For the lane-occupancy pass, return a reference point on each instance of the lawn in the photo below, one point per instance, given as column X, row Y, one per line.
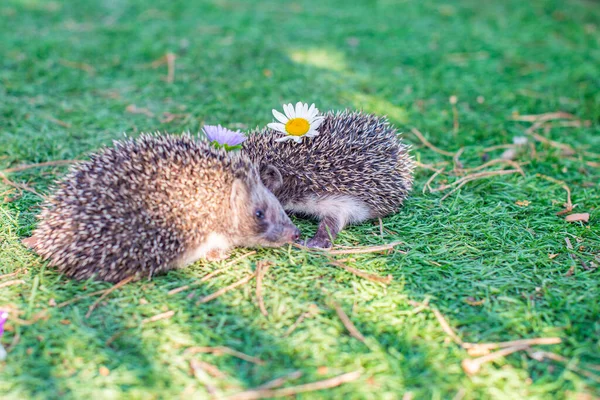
column 492, row 259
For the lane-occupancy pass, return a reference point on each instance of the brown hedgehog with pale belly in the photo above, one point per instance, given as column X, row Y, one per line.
column 357, row 168
column 154, row 203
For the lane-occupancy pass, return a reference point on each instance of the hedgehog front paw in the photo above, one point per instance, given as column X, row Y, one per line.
column 216, row 255
column 318, row 243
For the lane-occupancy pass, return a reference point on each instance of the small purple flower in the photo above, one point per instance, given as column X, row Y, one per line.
column 3, row 318
column 223, row 136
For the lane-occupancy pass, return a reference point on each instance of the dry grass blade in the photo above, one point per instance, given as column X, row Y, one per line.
column 210, row 369
column 589, row 154
column 543, row 117
column 431, row 167
column 298, row 321
column 212, row 274
column 495, row 161
column 106, row 293
column 14, row 342
column 42, row 315
column 593, row 164
column 219, row 350
column 568, row 124
column 367, row 249
column 201, row 375
column 75, row 299
column 458, row 166
column 294, row 390
column 261, row 269
column 20, row 186
column 473, row 177
column 455, row 122
column 478, row 175
column 169, row 59
column 499, row 147
column 78, row 65
column 419, row 135
column 567, row 150
column 453, row 191
column 478, row 349
column 170, row 67
column 114, row 337
column 12, row 283
column 179, row 289
column 431, row 179
column 473, row 365
column 14, row 273
column 40, row 165
column 158, row 317
column 226, row 289
column 371, row 277
column 354, row 332
column 456, row 185
column 568, row 205
column 541, row 355
column 446, row 327
column 278, row 382
column 569, row 244
column 133, row 109
column 558, row 357
column 57, row 121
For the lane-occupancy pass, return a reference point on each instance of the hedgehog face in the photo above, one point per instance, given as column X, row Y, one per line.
column 259, row 218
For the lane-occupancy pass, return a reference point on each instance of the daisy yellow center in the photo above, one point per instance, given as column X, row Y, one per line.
column 297, row 127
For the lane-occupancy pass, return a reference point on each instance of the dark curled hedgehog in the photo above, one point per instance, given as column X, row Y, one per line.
column 155, row 203
column 355, row 169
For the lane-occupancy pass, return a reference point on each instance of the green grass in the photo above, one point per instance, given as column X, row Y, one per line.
column 235, row 61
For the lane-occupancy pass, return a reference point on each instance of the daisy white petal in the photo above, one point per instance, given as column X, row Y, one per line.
column 299, row 107
column 317, row 123
column 284, row 139
column 312, row 111
column 289, row 111
column 297, row 139
column 277, row 127
column 280, row 117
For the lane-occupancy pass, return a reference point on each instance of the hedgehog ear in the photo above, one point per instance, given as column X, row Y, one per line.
column 271, row 177
column 238, row 198
column 239, row 193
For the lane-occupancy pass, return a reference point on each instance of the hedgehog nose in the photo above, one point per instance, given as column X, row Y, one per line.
column 295, row 234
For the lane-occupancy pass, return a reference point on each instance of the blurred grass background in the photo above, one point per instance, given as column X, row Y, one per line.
column 76, row 75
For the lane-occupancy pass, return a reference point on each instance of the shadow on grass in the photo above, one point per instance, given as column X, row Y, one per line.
column 69, row 356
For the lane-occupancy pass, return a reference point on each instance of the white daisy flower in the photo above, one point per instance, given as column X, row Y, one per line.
column 297, row 123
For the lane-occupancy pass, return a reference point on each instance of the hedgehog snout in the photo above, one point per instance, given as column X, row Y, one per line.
column 290, row 234
column 295, row 234
column 284, row 233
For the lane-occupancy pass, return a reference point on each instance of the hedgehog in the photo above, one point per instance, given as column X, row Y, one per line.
column 156, row 203
column 356, row 169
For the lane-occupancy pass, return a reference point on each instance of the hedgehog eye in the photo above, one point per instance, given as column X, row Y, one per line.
column 259, row 214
